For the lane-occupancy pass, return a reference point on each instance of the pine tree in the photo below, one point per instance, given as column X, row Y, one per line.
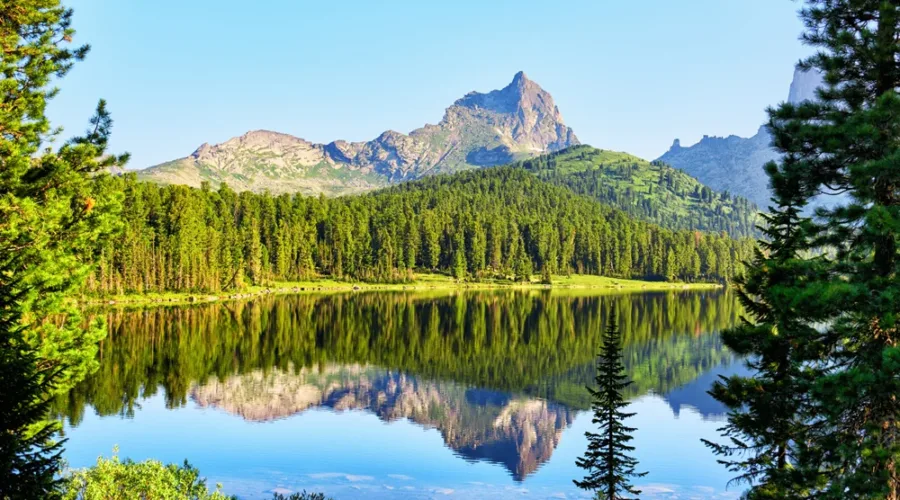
column 671, row 266
column 607, row 461
column 546, row 277
column 29, row 460
column 459, row 258
column 846, row 142
column 827, row 424
column 769, row 415
column 51, row 223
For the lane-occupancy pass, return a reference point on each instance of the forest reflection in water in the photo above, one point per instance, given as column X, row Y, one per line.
column 499, row 374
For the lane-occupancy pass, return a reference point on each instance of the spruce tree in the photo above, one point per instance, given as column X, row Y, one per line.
column 846, row 141
column 671, row 268
column 459, row 258
column 546, row 277
column 29, row 459
column 51, row 222
column 607, row 460
column 769, row 415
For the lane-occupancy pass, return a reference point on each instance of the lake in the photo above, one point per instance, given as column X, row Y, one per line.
column 406, row 394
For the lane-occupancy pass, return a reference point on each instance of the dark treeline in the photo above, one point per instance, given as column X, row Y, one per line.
column 652, row 191
column 489, row 223
column 539, row 343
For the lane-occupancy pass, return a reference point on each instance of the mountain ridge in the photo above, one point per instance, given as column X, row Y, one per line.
column 735, row 164
column 480, row 129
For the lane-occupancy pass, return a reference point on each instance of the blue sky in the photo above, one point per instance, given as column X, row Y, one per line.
column 627, row 75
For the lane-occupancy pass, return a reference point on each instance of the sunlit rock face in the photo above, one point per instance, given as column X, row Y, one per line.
column 478, row 130
column 519, row 433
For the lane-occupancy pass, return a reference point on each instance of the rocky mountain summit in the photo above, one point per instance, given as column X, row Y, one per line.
column 735, row 164
column 478, row 130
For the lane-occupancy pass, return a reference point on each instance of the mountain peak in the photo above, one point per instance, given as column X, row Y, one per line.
column 520, row 78
column 520, row 87
column 804, row 85
column 481, row 129
column 734, row 164
column 521, row 93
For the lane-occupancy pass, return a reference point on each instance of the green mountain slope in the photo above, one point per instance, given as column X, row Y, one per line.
column 652, row 191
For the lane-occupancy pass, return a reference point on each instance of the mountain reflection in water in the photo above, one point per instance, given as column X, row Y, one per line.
column 519, row 433
column 500, row 375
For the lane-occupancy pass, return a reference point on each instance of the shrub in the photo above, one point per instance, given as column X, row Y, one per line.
column 113, row 479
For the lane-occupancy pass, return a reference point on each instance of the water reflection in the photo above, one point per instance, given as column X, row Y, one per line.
column 500, row 375
column 519, row 433
column 694, row 394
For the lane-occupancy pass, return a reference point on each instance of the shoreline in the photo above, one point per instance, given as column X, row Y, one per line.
column 427, row 282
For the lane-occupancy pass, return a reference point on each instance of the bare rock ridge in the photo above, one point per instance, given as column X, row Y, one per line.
column 478, row 130
column 536, row 123
column 735, row 163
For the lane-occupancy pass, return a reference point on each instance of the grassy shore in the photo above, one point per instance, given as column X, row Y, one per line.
column 423, row 281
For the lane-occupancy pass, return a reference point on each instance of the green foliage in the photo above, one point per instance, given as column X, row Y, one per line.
column 28, row 459
column 769, row 419
column 113, row 479
column 652, row 191
column 494, row 223
column 50, row 219
column 607, row 460
column 50, row 223
column 846, row 141
column 546, row 277
column 832, row 430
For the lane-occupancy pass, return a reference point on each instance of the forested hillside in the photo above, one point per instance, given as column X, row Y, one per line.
column 652, row 191
column 500, row 222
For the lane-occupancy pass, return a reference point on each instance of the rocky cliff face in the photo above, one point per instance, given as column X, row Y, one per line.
column 733, row 163
column 519, row 433
column 804, row 85
column 478, row 130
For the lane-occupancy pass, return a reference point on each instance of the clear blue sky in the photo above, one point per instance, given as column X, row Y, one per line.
column 627, row 75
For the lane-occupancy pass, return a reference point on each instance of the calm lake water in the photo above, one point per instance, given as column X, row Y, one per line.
column 406, row 395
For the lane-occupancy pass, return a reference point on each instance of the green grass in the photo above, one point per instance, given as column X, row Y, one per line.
column 423, row 282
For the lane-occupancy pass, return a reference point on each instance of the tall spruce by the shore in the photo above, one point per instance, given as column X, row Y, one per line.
column 608, row 462
column 768, row 416
column 50, row 223
column 842, row 306
column 849, row 141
